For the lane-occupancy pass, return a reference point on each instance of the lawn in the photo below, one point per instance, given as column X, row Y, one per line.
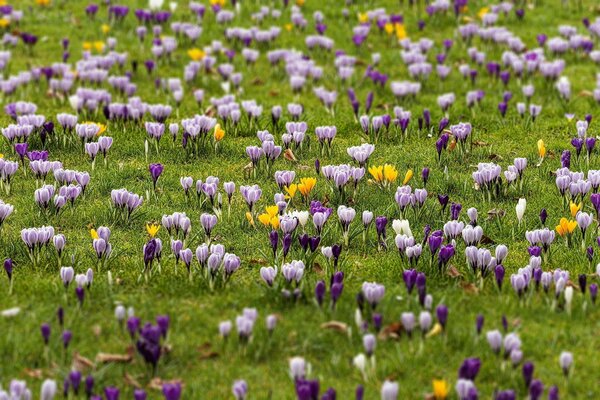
column 376, row 44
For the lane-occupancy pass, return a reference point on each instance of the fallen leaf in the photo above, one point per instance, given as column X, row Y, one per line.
column 391, row 331
column 468, row 287
column 336, row 326
column 80, row 362
column 495, row 157
column 495, row 213
column 453, row 272
column 257, row 81
column 317, row 268
column 157, row 383
column 486, row 240
column 33, row 373
column 206, row 351
column 131, row 381
column 480, row 143
column 117, row 358
column 288, row 154
column 273, row 93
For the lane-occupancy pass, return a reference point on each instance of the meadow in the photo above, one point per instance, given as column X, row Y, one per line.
column 454, row 258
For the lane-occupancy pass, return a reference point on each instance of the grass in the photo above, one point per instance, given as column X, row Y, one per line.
column 198, row 356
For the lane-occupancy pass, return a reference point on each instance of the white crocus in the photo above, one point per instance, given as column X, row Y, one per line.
column 402, row 226
column 360, row 362
column 568, row 298
column 155, row 4
column 521, row 206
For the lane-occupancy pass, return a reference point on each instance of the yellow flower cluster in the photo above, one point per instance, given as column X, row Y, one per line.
column 306, row 186
column 98, row 45
column 566, row 227
column 270, row 217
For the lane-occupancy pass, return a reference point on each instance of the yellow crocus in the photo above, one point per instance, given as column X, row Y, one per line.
column 87, row 46
column 152, row 228
column 408, row 176
column 389, row 28
column 306, row 185
column 249, row 218
column 390, row 173
column 105, row 28
column 4, row 22
column 288, row 27
column 217, row 2
column 196, row 54
column 482, row 11
column 377, row 173
column 42, row 3
column 400, row 31
column 275, row 222
column 219, row 133
column 264, row 219
column 300, row 3
column 436, row 330
column 541, row 148
column 291, row 190
column 94, row 234
column 363, row 18
column 440, row 389
column 99, row 45
column 272, row 211
column 574, row 208
column 566, row 227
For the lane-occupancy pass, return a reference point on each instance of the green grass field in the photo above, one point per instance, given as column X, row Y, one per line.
column 194, row 353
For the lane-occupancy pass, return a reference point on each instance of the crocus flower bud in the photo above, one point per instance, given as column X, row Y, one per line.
column 565, row 360
column 45, row 330
column 582, row 282
column 8, row 267
column 48, row 390
column 89, row 385
column 593, row 292
column 66, row 338
column 442, row 314
column 479, row 323
column 527, row 373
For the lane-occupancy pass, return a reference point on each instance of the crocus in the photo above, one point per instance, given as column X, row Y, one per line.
column 155, row 171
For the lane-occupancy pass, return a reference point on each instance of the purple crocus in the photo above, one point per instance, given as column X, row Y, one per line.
column 155, row 171
column 172, row 391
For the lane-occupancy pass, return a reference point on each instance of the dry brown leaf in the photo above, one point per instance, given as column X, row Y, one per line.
column 495, row 157
column 486, row 240
column 453, row 272
column 81, row 363
column 496, row 212
column 468, row 287
column 157, row 383
column 480, row 143
column 33, row 373
column 391, row 331
column 131, row 381
column 206, row 351
column 257, row 81
column 117, row 358
column 273, row 93
column 317, row 268
column 210, row 111
column 288, row 154
column 336, row 326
